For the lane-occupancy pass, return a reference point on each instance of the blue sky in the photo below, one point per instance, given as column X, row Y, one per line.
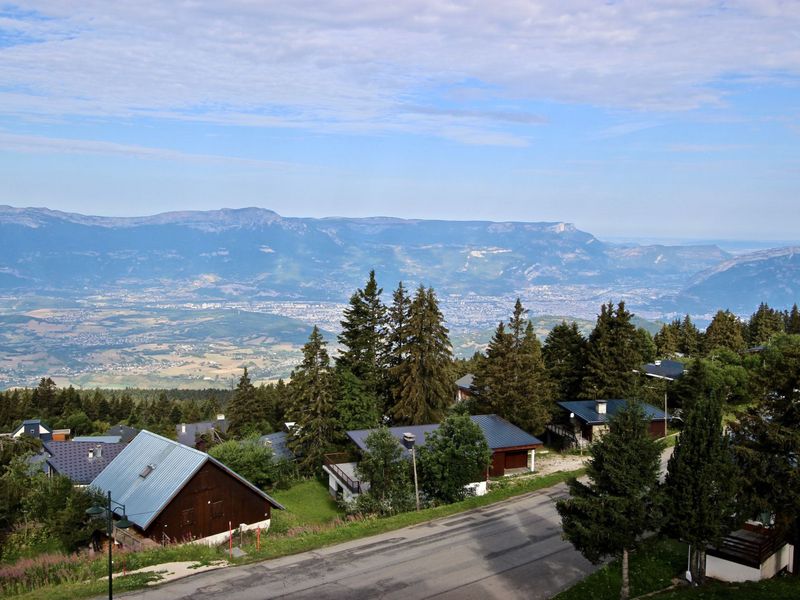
column 661, row 119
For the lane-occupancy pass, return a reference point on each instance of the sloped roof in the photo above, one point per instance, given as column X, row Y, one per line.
column 586, row 410
column 72, row 459
column 173, row 465
column 188, row 432
column 499, row 433
column 465, row 381
column 98, row 439
column 667, row 369
column 125, row 432
column 277, row 441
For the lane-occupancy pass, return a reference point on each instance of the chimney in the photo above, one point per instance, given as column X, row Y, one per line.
column 220, row 417
column 183, row 427
column 91, row 453
column 600, row 406
column 98, row 451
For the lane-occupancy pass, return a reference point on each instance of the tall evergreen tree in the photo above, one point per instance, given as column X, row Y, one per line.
column 363, row 334
column 356, row 406
column 564, row 355
column 243, row 412
column 793, row 321
column 311, row 391
column 425, row 385
column 667, row 340
column 767, row 441
column 690, row 338
column 724, row 331
column 512, row 380
column 763, row 324
column 702, row 479
column 395, row 348
column 608, row 516
column 613, row 354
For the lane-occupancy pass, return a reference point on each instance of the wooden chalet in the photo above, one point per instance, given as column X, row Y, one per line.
column 581, row 422
column 173, row 493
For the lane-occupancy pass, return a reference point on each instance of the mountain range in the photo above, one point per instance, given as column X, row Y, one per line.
column 256, row 253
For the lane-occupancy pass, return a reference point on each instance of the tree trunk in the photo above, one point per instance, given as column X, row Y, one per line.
column 625, row 590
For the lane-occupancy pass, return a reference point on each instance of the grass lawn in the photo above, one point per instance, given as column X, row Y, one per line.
column 651, row 568
column 307, row 503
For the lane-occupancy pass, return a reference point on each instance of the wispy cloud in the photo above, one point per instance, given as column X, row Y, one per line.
column 349, row 64
column 705, row 148
column 53, row 145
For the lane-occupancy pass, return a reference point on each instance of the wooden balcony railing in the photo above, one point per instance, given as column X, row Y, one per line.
column 332, row 461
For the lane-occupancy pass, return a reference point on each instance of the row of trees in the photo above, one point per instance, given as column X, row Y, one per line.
column 726, row 331
column 715, row 480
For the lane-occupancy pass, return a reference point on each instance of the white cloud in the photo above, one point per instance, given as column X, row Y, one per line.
column 358, row 66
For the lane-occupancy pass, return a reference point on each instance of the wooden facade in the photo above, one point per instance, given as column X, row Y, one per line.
column 205, row 505
column 509, row 458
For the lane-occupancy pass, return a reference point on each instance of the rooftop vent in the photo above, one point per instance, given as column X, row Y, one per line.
column 146, row 471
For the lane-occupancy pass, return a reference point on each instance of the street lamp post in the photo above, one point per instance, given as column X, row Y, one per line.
column 123, row 523
column 408, row 442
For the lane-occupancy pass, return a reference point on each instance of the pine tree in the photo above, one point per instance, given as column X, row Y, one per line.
column 565, row 355
column 702, row 479
column 356, row 406
column 724, row 331
column 362, row 337
column 243, row 411
column 613, row 354
column 766, row 442
column 793, row 321
column 690, row 338
column 311, row 391
column 764, row 323
column 512, row 381
column 667, row 340
column 425, row 385
column 395, row 348
column 608, row 515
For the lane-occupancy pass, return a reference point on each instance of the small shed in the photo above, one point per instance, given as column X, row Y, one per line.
column 174, row 493
column 749, row 554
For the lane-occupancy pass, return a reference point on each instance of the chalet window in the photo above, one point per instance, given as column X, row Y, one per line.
column 217, row 509
column 188, row 516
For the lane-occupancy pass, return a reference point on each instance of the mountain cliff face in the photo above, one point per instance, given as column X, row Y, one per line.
column 255, row 252
column 741, row 283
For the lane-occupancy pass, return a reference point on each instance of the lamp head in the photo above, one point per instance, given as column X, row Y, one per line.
column 95, row 511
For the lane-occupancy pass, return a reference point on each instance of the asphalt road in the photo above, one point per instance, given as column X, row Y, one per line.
column 508, row 550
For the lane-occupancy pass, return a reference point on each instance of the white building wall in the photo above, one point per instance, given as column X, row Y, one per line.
column 218, row 538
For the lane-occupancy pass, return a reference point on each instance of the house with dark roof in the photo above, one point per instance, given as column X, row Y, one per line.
column 80, row 461
column 665, row 369
column 513, row 451
column 125, row 433
column 584, row 421
column 34, row 428
column 464, row 387
column 174, row 493
column 189, row 432
column 278, row 443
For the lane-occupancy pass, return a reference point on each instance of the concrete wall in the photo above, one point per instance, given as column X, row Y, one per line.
column 726, row 570
column 216, row 539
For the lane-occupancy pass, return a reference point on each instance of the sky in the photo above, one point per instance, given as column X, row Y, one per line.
column 675, row 119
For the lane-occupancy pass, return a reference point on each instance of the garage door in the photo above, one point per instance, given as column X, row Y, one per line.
column 516, row 459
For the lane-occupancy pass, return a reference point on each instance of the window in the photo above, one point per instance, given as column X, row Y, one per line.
column 188, row 516
column 217, row 509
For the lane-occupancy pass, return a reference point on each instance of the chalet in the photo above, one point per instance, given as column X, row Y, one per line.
column 36, row 429
column 584, row 421
column 173, row 493
column 665, row 369
column 464, row 387
column 513, row 451
column 80, row 461
column 752, row 553
column 125, row 433
column 189, row 432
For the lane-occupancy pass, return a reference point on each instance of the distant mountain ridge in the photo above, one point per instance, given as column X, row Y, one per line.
column 254, row 252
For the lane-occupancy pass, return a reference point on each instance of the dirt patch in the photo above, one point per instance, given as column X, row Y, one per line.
column 552, row 462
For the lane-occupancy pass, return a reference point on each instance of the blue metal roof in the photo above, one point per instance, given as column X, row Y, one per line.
column 499, row 433
column 586, row 410
column 666, row 369
column 465, row 382
column 173, row 465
